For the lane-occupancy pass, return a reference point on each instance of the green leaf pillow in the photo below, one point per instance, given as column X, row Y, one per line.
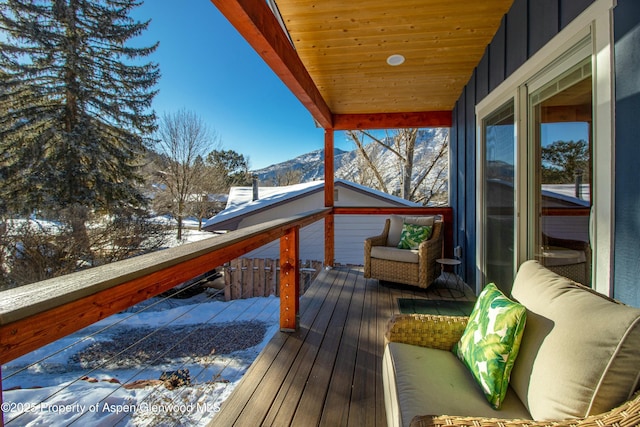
column 413, row 234
column 490, row 343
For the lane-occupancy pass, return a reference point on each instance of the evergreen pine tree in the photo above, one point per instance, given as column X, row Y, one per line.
column 74, row 107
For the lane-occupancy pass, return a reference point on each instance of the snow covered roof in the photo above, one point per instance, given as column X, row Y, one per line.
column 240, row 202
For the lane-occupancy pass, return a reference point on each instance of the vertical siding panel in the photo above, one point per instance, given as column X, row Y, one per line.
column 460, row 211
column 570, row 9
column 626, row 251
column 497, row 56
column 482, row 77
column 470, row 175
column 543, row 23
column 516, row 36
column 454, row 200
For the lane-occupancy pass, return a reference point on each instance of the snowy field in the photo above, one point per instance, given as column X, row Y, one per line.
column 101, row 375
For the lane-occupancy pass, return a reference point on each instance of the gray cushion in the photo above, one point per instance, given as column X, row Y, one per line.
column 395, row 254
column 580, row 353
column 395, row 228
column 424, row 381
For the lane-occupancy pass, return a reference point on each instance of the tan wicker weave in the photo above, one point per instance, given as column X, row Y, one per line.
column 579, row 272
column 426, row 330
column 442, row 332
column 421, row 274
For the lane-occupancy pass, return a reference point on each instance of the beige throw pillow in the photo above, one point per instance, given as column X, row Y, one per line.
column 580, row 353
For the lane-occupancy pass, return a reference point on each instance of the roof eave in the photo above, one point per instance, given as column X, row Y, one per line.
column 255, row 21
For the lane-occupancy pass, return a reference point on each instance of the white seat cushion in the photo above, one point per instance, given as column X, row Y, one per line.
column 425, row 381
column 395, row 254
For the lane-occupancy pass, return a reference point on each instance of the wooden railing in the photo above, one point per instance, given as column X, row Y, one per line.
column 37, row 314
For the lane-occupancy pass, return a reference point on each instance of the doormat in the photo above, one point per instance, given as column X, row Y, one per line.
column 430, row 306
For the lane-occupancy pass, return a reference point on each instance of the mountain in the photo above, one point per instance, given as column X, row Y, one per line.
column 310, row 166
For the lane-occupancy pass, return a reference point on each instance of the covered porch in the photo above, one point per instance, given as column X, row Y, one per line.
column 325, row 370
column 328, row 372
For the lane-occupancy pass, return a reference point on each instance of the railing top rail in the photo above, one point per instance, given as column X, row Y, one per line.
column 25, row 301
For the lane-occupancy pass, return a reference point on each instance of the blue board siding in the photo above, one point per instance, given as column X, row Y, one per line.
column 516, row 38
column 544, row 19
column 527, row 27
column 570, row 9
column 497, row 52
column 626, row 250
column 470, row 178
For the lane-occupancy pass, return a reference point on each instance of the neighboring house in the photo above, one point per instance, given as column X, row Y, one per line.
column 278, row 202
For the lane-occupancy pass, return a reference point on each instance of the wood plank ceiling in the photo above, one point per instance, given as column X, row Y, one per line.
column 338, row 67
column 344, row 46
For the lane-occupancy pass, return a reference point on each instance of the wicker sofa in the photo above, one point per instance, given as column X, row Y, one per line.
column 578, row 364
column 384, row 261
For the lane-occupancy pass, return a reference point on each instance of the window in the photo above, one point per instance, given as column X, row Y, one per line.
column 548, row 130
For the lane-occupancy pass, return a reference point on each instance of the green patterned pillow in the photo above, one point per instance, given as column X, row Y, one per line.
column 491, row 340
column 413, row 234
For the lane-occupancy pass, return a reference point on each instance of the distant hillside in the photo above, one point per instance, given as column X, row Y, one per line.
column 310, row 165
column 347, row 164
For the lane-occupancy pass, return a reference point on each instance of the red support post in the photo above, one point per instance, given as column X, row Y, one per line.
column 329, row 241
column 329, row 197
column 328, row 168
column 289, row 280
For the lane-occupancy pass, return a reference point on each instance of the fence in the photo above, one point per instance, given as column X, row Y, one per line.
column 259, row 277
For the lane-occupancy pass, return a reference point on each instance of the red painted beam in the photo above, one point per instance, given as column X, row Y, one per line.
column 392, row 120
column 256, row 23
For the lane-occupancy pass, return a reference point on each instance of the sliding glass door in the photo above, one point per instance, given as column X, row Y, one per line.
column 561, row 147
column 498, row 205
column 545, row 163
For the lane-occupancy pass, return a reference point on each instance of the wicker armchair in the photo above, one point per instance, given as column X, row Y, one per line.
column 421, row 273
column 442, row 332
column 577, row 271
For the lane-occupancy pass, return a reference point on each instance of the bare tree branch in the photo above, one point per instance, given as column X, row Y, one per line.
column 361, row 150
column 401, row 144
column 184, row 138
column 442, row 152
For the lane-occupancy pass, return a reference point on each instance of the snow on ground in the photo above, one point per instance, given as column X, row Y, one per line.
column 51, row 392
column 50, row 386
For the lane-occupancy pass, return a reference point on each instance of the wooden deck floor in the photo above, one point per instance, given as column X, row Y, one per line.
column 328, row 373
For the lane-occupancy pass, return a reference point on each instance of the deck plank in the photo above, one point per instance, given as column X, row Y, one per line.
column 328, row 373
column 335, row 411
column 287, row 400
column 315, row 391
column 386, row 308
column 254, row 400
column 362, row 405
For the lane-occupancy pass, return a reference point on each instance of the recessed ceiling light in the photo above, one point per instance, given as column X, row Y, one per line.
column 395, row 60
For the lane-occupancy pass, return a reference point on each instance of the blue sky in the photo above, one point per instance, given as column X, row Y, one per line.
column 208, row 68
